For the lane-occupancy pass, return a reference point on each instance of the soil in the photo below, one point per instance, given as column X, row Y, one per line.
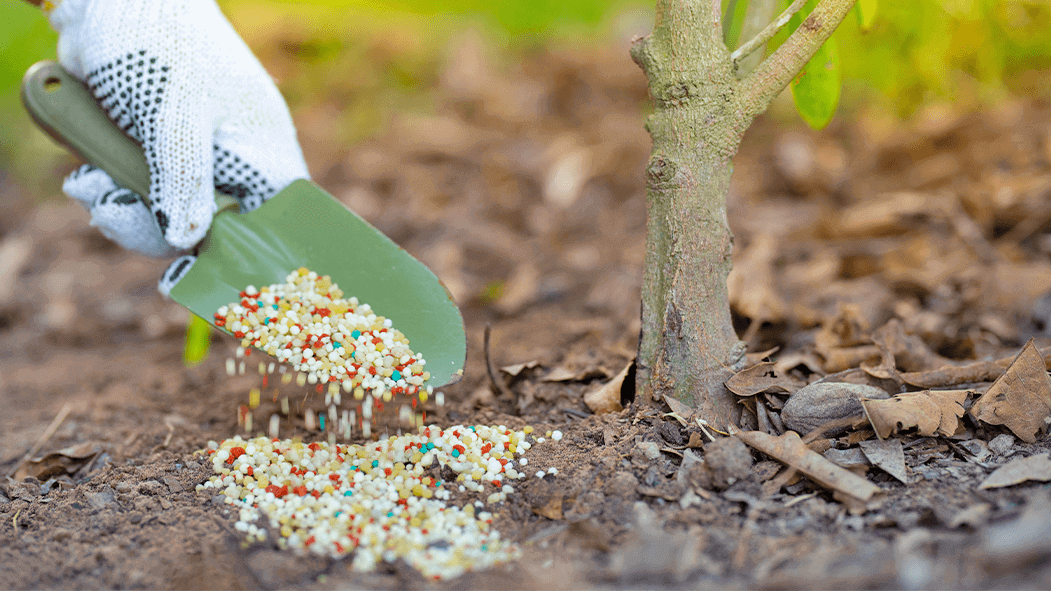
column 524, row 192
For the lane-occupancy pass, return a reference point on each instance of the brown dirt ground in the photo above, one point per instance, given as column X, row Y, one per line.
column 524, row 193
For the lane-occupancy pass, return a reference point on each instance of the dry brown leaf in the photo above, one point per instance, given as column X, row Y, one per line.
column 64, row 461
column 607, row 397
column 752, row 286
column 561, row 374
column 931, row 412
column 847, row 328
column 979, row 371
column 888, row 456
column 684, row 411
column 1036, row 467
column 762, row 377
column 909, row 351
column 791, row 450
column 842, row 358
column 1020, row 399
column 517, row 368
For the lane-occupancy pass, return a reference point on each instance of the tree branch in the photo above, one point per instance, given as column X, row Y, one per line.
column 766, row 34
column 758, row 15
column 777, row 70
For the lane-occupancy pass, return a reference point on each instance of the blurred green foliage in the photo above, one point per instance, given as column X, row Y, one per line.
column 816, row 89
column 198, row 341
column 361, row 60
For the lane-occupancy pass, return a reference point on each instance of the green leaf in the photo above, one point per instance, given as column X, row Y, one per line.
column 198, row 339
column 815, row 90
column 733, row 22
column 865, row 10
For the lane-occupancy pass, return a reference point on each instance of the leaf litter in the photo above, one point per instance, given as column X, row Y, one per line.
column 906, row 257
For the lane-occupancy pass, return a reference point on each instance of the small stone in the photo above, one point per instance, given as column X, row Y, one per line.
column 729, row 461
column 647, row 450
column 151, row 487
column 1001, row 444
column 101, row 499
column 693, row 472
column 819, row 403
column 689, row 499
column 174, row 486
column 124, row 487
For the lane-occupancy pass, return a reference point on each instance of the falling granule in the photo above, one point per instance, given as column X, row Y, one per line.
column 375, row 501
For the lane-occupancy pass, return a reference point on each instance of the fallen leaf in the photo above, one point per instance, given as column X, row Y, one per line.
column 696, row 441
column 1023, row 540
column 930, row 412
column 684, row 411
column 752, row 286
column 762, row 377
column 844, row 339
column 64, row 461
column 1020, row 399
column 888, row 456
column 1036, row 467
column 565, row 374
column 791, row 450
column 909, row 351
column 517, row 368
column 607, row 397
column 847, row 458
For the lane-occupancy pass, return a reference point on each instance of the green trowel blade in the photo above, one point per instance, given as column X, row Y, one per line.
column 302, row 226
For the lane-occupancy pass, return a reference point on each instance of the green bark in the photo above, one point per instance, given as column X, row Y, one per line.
column 688, row 347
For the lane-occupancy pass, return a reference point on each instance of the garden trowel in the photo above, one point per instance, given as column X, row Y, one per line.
column 302, row 226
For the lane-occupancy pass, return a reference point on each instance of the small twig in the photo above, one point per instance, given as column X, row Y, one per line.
column 14, row 520
column 766, row 34
column 703, row 424
column 62, row 414
column 493, row 376
column 778, row 69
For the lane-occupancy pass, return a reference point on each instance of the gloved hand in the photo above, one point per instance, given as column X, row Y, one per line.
column 177, row 78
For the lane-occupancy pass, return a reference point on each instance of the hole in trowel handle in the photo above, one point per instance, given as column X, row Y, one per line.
column 52, row 83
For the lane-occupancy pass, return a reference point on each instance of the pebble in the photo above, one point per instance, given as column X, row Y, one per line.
column 1000, row 444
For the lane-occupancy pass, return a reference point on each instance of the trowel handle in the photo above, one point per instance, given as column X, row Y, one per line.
column 63, row 107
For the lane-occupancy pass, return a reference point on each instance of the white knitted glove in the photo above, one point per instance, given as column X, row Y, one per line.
column 177, row 78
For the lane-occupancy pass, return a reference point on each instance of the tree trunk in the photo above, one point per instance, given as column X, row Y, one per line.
column 688, row 344
column 688, row 347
